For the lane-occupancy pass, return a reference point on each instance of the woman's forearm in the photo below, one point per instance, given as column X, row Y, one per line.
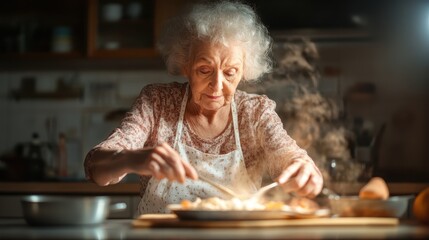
column 104, row 166
column 107, row 166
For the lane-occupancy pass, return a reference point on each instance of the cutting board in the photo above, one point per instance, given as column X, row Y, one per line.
column 171, row 221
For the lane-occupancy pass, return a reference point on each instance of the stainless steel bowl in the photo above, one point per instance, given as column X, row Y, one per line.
column 67, row 210
column 355, row 207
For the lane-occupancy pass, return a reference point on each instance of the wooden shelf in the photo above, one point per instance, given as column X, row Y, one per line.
column 42, row 55
column 59, row 95
column 135, row 38
column 140, row 22
column 124, row 53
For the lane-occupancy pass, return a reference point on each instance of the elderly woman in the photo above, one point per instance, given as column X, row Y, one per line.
column 205, row 127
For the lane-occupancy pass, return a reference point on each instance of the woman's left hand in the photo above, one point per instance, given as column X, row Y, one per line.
column 302, row 177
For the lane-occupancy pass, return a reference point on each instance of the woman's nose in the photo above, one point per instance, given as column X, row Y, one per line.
column 217, row 81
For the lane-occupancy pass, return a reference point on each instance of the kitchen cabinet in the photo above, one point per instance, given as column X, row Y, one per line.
column 121, row 28
column 42, row 29
column 127, row 28
column 82, row 29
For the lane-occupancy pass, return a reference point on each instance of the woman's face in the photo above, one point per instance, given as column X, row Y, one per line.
column 214, row 73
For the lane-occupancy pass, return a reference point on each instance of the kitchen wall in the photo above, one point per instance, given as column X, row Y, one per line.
column 82, row 119
column 395, row 63
column 399, row 68
column 401, row 93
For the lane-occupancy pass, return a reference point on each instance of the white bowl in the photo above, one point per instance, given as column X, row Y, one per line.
column 112, row 12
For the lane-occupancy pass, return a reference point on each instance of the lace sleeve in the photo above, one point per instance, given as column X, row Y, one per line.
column 280, row 148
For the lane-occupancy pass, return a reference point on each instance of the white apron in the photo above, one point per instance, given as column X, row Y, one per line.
column 227, row 169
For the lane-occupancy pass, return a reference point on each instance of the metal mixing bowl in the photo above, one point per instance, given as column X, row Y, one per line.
column 67, row 210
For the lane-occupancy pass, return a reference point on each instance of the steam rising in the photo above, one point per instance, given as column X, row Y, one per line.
column 311, row 119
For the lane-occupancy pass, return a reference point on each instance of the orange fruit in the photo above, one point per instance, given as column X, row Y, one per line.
column 421, row 206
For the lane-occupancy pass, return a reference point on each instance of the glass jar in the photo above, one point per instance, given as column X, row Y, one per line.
column 61, row 40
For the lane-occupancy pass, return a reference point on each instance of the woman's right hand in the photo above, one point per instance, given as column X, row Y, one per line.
column 162, row 161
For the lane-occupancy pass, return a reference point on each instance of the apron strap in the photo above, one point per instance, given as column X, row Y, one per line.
column 181, row 116
column 234, row 122
column 235, row 126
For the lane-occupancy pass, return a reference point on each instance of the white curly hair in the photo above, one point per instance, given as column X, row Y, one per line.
column 218, row 22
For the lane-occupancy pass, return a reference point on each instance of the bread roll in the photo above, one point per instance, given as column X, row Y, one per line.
column 421, row 206
column 376, row 188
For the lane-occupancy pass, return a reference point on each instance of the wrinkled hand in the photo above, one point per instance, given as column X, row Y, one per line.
column 303, row 178
column 163, row 161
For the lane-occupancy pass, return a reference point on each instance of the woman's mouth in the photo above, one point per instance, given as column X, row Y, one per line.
column 213, row 97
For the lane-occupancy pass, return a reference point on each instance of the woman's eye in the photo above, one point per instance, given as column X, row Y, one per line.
column 204, row 70
column 230, row 72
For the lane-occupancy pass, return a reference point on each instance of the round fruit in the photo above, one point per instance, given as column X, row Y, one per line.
column 421, row 206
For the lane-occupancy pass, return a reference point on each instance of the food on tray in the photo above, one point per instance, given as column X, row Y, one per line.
column 301, row 205
column 376, row 188
column 215, row 203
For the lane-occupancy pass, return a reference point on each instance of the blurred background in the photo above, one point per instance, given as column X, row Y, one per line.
column 70, row 69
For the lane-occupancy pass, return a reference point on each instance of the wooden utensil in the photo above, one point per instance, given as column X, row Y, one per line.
column 221, row 187
column 253, row 197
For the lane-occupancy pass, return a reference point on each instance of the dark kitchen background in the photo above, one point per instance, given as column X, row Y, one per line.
column 70, row 69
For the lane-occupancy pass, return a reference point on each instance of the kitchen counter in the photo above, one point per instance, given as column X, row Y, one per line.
column 68, row 188
column 122, row 229
column 133, row 188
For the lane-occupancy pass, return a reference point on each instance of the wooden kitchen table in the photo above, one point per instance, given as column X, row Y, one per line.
column 122, row 229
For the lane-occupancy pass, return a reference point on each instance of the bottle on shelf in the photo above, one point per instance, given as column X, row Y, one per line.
column 35, row 169
column 62, row 156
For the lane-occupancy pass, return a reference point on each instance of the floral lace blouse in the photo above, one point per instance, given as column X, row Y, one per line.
column 266, row 146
